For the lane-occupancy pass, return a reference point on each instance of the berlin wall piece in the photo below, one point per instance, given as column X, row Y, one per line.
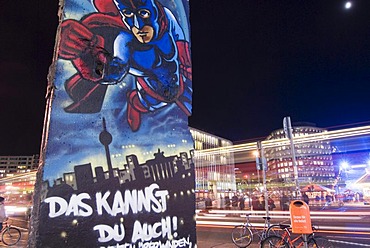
column 116, row 167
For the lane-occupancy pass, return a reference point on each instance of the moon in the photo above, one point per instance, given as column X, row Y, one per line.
column 348, row 5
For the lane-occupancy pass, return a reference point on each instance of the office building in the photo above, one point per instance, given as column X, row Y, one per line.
column 214, row 167
column 10, row 165
column 313, row 158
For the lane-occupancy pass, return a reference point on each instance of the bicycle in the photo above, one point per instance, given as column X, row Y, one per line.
column 285, row 240
column 10, row 235
column 243, row 235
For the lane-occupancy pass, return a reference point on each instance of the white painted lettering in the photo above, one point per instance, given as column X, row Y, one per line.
column 150, row 199
column 131, row 201
column 102, row 203
column 107, row 233
column 75, row 206
column 118, row 204
column 147, row 232
column 63, row 205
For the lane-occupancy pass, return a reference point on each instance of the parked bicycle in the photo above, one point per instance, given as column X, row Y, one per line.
column 285, row 240
column 243, row 235
column 10, row 235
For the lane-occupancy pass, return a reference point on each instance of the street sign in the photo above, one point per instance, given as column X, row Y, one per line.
column 287, row 125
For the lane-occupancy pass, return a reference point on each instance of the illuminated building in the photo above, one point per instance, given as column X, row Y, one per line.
column 17, row 179
column 314, row 158
column 17, row 191
column 215, row 173
column 10, row 165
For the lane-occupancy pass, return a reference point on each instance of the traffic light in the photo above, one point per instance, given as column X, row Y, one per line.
column 261, row 162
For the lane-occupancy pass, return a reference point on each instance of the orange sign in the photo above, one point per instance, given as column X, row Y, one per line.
column 300, row 217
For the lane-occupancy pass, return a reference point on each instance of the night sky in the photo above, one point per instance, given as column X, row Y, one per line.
column 254, row 62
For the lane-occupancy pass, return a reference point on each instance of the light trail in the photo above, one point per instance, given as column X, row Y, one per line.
column 220, row 218
column 287, row 217
column 25, row 175
column 259, row 214
column 261, row 226
column 324, row 136
column 230, row 225
column 284, row 214
column 349, row 243
column 363, row 230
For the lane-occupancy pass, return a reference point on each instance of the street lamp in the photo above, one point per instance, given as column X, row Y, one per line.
column 344, row 165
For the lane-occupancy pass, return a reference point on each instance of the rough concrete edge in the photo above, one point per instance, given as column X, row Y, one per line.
column 34, row 221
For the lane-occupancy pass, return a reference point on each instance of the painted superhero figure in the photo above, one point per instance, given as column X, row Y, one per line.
column 137, row 37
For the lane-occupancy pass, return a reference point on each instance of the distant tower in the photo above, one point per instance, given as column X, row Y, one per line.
column 106, row 138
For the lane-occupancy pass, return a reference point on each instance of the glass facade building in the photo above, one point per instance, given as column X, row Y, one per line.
column 313, row 158
column 214, row 166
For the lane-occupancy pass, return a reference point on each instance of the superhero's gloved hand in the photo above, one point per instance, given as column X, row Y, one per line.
column 185, row 59
column 76, row 39
column 84, row 48
column 114, row 71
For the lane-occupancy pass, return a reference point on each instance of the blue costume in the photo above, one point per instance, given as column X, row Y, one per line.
column 149, row 44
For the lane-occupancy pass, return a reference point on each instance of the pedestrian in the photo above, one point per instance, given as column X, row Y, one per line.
column 357, row 197
column 227, row 202
column 328, row 198
column 305, row 198
column 3, row 216
column 241, row 203
column 222, row 202
column 261, row 202
column 254, row 203
column 284, row 202
column 208, row 202
column 234, row 201
column 271, row 204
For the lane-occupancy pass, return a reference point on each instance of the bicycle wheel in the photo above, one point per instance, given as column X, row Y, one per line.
column 11, row 236
column 274, row 230
column 241, row 236
column 274, row 242
column 320, row 242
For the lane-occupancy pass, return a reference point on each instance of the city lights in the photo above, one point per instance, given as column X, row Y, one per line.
column 324, row 136
column 344, row 165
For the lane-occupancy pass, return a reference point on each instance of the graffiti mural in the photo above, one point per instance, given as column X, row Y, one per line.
column 117, row 168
